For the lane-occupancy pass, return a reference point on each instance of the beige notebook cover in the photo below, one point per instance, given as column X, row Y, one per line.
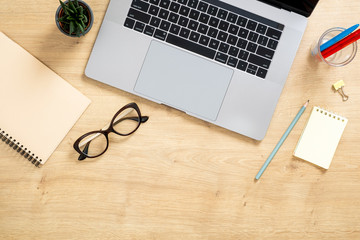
column 37, row 107
column 320, row 138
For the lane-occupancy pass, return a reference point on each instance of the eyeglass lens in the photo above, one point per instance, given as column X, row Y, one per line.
column 124, row 123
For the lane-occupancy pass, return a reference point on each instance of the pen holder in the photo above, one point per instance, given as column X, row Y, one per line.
column 338, row 59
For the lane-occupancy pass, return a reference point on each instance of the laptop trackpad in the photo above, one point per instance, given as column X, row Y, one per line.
column 183, row 80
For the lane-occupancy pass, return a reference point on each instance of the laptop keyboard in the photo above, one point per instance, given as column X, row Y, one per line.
column 211, row 28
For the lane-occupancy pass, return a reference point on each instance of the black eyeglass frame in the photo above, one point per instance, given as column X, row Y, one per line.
column 110, row 129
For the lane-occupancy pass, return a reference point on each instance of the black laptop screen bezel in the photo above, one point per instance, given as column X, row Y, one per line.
column 303, row 7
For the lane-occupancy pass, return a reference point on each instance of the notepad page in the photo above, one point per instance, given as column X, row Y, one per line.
column 320, row 137
column 37, row 107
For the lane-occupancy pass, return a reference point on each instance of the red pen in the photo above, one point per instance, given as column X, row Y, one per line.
column 353, row 37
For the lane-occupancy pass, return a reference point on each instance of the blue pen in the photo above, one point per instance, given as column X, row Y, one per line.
column 338, row 37
column 282, row 139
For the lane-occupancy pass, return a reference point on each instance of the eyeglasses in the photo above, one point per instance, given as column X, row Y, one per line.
column 125, row 122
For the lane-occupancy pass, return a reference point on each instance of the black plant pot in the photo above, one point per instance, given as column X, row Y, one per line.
column 64, row 29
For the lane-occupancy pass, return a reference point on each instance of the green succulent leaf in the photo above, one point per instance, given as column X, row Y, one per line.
column 72, row 27
column 72, row 7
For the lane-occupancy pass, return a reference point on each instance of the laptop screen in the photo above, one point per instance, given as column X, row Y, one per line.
column 303, row 7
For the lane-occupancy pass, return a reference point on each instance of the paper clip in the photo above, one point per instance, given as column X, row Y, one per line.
column 338, row 86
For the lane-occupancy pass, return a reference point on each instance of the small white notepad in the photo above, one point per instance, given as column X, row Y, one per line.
column 320, row 138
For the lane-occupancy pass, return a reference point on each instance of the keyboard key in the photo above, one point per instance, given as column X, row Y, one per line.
column 194, row 14
column 165, row 25
column 232, row 40
column 202, row 6
column 244, row 55
column 174, row 7
column 139, row 26
column 155, row 21
column 183, row 21
column 129, row 23
column 261, row 72
column 223, row 25
column 222, row 36
column 165, row 3
column 191, row 46
column 233, row 29
column 232, row 17
column 241, row 21
column 214, row 22
column 251, row 47
column 155, row 2
column 234, row 51
column 193, row 3
column 251, row 25
column 163, row 14
column 242, row 43
column 259, row 61
column 140, row 16
column 173, row 17
column 204, row 40
column 265, row 52
column 149, row 30
column 214, row 44
column 138, row 4
column 194, row 36
column 243, row 33
column 253, row 36
column 183, row 1
column 272, row 44
column 204, row 18
column 175, row 29
column 193, row 25
column 159, row 34
column 242, row 65
column 212, row 32
column 154, row 10
column 184, row 10
column 273, row 33
column 262, row 40
column 224, row 47
column 212, row 10
column 220, row 57
column 251, row 69
column 232, row 62
column 261, row 29
column 184, row 32
column 222, row 14
column 203, row 28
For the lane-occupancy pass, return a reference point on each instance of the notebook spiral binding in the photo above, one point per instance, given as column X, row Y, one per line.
column 11, row 142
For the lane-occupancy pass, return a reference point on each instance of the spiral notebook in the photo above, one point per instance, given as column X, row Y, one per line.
column 37, row 107
column 320, row 137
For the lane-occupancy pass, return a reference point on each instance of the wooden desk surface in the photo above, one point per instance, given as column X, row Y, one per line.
column 179, row 177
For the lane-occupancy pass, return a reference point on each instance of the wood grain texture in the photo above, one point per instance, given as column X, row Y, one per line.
column 179, row 177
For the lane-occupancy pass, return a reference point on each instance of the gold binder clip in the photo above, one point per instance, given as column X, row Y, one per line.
column 338, row 86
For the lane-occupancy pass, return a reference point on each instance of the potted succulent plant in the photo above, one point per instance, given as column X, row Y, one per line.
column 74, row 18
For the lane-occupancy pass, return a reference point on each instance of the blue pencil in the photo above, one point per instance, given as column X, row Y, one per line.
column 282, row 139
column 338, row 37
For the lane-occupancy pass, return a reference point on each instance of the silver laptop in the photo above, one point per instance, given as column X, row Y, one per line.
column 225, row 62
